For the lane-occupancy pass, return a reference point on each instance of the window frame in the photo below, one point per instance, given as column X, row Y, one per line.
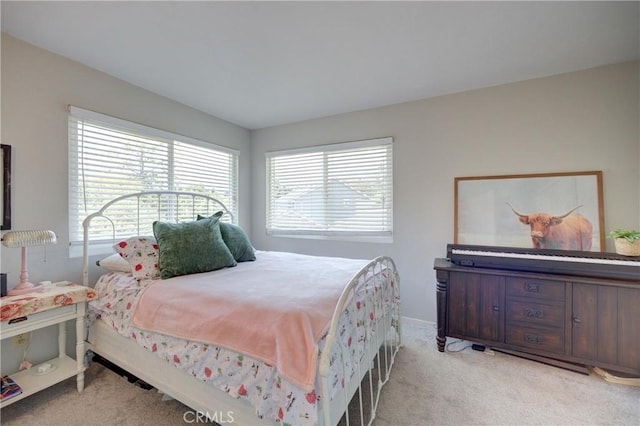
column 378, row 236
column 76, row 214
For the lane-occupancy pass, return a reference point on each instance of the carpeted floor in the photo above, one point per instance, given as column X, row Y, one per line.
column 426, row 388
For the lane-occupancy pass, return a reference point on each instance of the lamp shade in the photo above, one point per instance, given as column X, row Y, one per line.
column 24, row 239
column 36, row 237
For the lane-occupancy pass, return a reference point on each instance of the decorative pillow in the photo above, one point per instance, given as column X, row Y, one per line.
column 142, row 254
column 115, row 263
column 191, row 247
column 236, row 240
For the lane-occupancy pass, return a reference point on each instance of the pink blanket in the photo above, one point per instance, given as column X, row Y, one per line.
column 275, row 309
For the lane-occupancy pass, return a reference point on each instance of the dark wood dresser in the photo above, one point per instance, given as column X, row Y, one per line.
column 569, row 312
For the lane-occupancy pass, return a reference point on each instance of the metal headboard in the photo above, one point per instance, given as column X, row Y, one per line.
column 170, row 206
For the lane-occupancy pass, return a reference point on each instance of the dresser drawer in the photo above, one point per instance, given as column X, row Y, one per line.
column 532, row 312
column 533, row 288
column 550, row 340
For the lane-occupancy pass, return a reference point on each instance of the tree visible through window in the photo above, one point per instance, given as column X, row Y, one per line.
column 109, row 157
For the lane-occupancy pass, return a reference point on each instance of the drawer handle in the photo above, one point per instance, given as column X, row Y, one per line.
column 533, row 313
column 16, row 320
column 531, row 287
column 532, row 338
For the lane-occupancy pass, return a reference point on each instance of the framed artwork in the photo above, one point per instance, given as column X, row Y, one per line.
column 5, row 182
column 562, row 211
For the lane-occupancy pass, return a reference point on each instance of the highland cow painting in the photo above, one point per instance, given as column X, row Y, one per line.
column 561, row 211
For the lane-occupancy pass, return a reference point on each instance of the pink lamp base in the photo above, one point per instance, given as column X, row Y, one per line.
column 23, row 288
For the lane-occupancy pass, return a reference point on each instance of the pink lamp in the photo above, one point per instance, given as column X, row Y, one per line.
column 24, row 239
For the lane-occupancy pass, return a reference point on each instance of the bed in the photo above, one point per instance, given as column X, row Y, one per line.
column 269, row 338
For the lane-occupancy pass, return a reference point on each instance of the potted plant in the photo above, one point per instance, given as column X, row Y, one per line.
column 627, row 241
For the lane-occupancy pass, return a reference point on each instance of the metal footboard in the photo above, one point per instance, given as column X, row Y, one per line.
column 365, row 376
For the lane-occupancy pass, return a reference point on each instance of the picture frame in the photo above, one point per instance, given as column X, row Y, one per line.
column 509, row 211
column 5, row 176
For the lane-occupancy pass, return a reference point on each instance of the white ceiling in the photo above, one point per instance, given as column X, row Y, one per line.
column 260, row 64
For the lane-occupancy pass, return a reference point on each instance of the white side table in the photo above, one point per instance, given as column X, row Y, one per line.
column 54, row 304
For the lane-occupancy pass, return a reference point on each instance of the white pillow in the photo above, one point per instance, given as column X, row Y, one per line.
column 115, row 263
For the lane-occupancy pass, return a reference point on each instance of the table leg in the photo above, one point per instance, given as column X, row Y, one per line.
column 80, row 352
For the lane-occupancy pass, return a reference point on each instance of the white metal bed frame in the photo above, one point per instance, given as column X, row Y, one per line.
column 381, row 345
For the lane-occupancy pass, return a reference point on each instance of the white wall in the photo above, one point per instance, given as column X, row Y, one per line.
column 577, row 121
column 36, row 88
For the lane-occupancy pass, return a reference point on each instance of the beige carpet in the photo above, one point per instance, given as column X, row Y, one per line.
column 426, row 388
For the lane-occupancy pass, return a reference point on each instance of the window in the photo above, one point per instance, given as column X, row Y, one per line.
column 109, row 157
column 342, row 190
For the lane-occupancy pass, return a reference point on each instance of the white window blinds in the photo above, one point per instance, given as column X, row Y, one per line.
column 109, row 157
column 339, row 190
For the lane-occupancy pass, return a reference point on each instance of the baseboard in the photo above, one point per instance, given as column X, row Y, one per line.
column 418, row 322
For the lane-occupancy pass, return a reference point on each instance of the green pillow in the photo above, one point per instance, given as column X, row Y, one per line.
column 191, row 247
column 236, row 240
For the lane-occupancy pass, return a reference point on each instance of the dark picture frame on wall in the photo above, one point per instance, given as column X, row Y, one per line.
column 549, row 210
column 5, row 207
